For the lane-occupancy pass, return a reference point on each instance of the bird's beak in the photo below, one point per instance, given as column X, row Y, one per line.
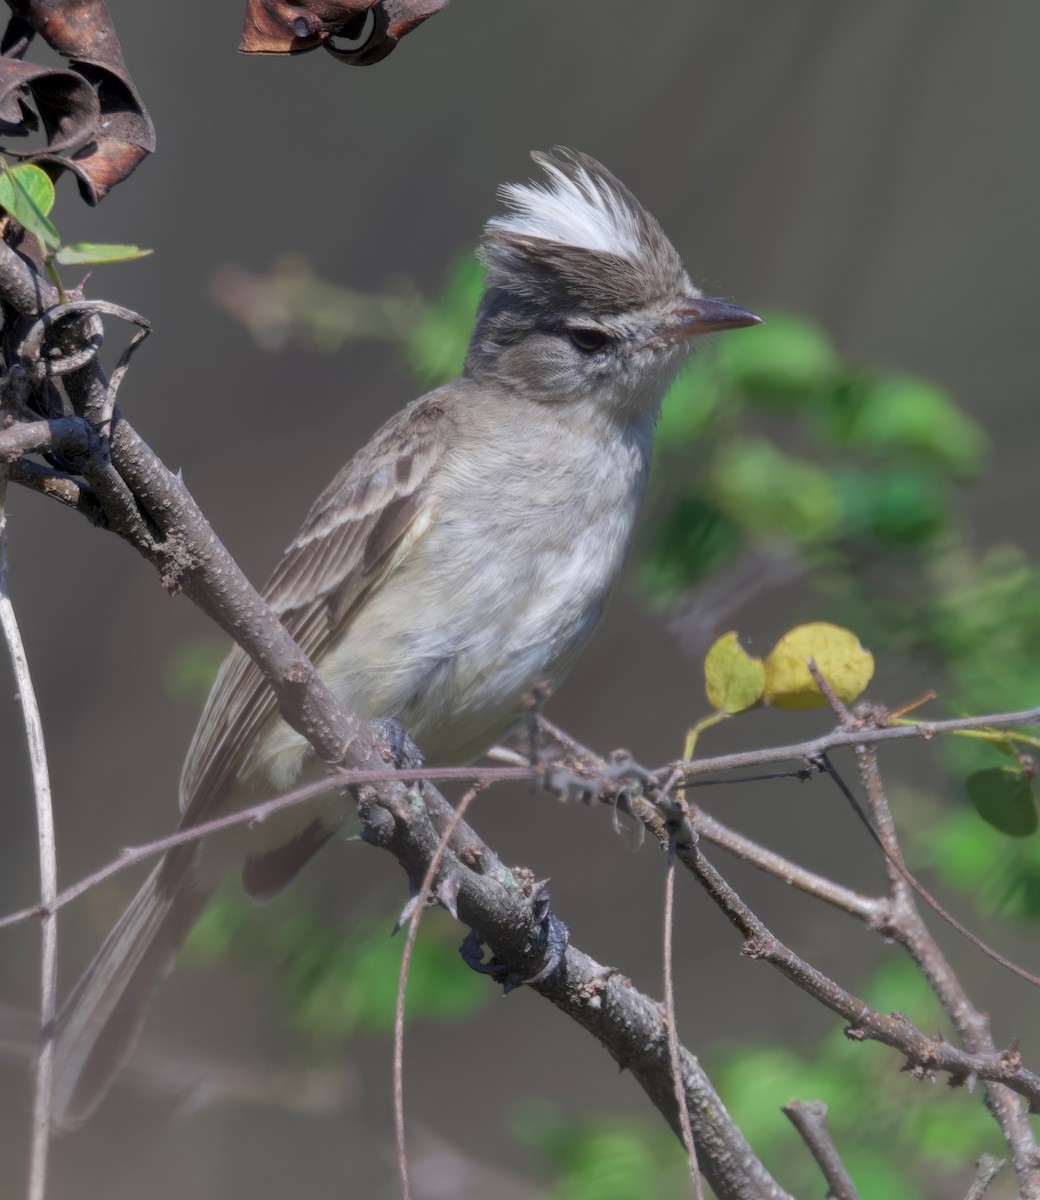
column 706, row 315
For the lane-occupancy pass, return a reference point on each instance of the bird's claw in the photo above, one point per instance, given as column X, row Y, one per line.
column 404, row 753
column 554, row 939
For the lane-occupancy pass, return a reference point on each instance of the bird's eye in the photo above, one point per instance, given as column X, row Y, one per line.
column 355, row 34
column 588, row 341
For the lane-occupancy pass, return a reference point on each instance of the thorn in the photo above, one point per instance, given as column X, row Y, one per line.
column 405, row 914
column 447, row 891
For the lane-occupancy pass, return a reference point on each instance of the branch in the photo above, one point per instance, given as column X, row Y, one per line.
column 811, row 1122
column 925, row 1055
column 812, row 749
column 988, row 1169
column 44, row 1070
column 905, row 925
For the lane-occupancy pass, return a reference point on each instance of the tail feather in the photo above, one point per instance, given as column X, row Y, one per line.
column 102, row 1017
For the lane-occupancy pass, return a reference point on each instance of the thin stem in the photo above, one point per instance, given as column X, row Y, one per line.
column 810, row 1119
column 670, row 1023
column 43, row 1076
column 867, row 908
column 402, row 983
column 987, row 1169
column 907, row 927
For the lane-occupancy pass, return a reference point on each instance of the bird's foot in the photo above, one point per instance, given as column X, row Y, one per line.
column 399, row 749
column 553, row 937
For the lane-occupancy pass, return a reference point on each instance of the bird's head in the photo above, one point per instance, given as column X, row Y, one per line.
column 586, row 299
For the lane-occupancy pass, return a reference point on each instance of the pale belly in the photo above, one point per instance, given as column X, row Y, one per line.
column 454, row 641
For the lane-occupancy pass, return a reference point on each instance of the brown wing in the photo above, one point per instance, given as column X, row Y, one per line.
column 342, row 550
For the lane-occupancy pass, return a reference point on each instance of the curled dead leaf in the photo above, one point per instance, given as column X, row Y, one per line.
column 357, row 32
column 93, row 118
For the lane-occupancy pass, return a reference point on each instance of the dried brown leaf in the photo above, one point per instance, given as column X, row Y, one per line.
column 358, row 32
column 94, row 119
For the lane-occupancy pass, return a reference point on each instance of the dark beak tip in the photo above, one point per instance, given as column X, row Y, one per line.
column 709, row 315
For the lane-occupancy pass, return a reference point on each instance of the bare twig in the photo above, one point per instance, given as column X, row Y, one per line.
column 814, row 747
column 905, row 925
column 673, row 1029
column 708, row 829
column 810, row 1119
column 418, row 904
column 44, row 1071
column 988, row 1168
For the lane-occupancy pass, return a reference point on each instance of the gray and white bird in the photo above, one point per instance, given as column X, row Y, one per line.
column 466, row 552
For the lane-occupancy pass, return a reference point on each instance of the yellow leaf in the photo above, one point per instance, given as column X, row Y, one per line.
column 733, row 679
column 842, row 661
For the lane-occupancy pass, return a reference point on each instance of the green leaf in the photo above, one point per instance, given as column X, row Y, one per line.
column 79, row 253
column 899, row 507
column 437, row 345
column 1003, row 797
column 189, row 671
column 27, row 193
column 781, row 363
column 216, row 930
column 694, row 540
column 773, row 494
column 690, row 402
column 905, row 413
column 334, row 985
column 733, row 679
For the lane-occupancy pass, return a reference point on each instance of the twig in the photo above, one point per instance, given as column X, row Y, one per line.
column 988, row 1169
column 708, row 829
column 814, row 747
column 906, row 926
column 253, row 815
column 669, row 1014
column 810, row 1119
column 418, row 905
column 43, row 1076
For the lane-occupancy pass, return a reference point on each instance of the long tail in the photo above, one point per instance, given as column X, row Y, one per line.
column 99, row 1022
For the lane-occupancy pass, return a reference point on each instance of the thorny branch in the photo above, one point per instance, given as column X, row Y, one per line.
column 139, row 498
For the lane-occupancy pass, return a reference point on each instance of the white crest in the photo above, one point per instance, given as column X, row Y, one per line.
column 576, row 207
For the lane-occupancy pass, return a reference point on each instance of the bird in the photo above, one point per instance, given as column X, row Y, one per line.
column 465, row 553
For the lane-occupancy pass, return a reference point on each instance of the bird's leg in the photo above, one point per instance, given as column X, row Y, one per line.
column 400, row 750
column 554, row 936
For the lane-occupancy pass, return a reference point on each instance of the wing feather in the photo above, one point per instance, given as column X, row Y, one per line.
column 343, row 549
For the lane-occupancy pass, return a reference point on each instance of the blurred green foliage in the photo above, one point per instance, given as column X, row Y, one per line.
column 189, row 671
column 337, row 982
column 880, row 1120
column 861, row 483
column 604, row 1159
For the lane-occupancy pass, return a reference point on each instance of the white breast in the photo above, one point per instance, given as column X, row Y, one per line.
column 502, row 592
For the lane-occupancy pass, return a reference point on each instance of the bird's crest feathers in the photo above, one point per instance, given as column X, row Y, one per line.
column 581, row 204
column 579, row 237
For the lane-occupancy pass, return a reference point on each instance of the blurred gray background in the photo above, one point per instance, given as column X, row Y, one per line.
column 872, row 166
